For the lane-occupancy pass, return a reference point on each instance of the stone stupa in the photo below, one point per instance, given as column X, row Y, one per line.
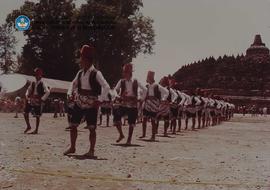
column 257, row 49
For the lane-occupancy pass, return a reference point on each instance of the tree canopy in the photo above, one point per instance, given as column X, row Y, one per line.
column 7, row 52
column 227, row 72
column 116, row 28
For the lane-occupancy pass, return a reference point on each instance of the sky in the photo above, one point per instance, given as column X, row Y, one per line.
column 190, row 30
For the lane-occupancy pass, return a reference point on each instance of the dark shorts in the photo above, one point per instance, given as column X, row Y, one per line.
column 90, row 116
column 219, row 114
column 131, row 113
column 69, row 113
column 105, row 111
column 35, row 110
column 212, row 113
column 164, row 117
column 180, row 114
column 149, row 114
column 200, row 113
column 174, row 112
column 190, row 114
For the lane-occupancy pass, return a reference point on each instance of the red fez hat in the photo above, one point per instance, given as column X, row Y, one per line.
column 87, row 52
column 165, row 81
column 38, row 71
column 151, row 74
column 172, row 81
column 128, row 68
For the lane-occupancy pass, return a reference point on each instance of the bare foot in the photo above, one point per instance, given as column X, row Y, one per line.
column 69, row 151
column 27, row 129
column 120, row 138
column 34, row 132
column 152, row 139
column 128, row 143
column 90, row 154
column 142, row 136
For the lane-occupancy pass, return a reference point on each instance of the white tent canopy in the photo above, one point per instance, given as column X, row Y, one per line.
column 14, row 82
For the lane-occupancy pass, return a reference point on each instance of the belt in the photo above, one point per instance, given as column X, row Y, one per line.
column 86, row 92
column 130, row 98
column 151, row 98
column 35, row 96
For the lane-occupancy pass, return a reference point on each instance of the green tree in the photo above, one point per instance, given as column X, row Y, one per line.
column 116, row 28
column 50, row 43
column 119, row 32
column 7, row 49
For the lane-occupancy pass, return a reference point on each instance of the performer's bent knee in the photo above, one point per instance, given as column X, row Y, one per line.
column 92, row 127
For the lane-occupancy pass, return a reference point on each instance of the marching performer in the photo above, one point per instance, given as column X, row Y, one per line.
column 56, row 107
column 106, row 107
column 191, row 109
column 127, row 87
column 180, row 100
column 165, row 106
column 231, row 110
column 200, row 107
column 86, row 87
column 62, row 108
column 174, row 105
column 218, row 110
column 206, row 110
column 17, row 104
column 155, row 93
column 36, row 95
column 212, row 105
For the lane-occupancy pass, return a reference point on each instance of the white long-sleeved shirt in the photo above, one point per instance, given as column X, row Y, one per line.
column 206, row 102
column 183, row 98
column 164, row 92
column 174, row 95
column 188, row 102
column 212, row 103
column 45, row 87
column 85, row 82
column 129, row 88
column 202, row 99
column 219, row 104
column 186, row 98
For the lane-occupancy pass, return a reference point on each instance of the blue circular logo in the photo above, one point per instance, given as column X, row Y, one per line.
column 22, row 23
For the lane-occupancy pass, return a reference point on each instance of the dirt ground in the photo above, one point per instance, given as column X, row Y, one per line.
column 234, row 155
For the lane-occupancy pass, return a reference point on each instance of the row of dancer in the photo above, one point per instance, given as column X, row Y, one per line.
column 159, row 102
column 156, row 102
